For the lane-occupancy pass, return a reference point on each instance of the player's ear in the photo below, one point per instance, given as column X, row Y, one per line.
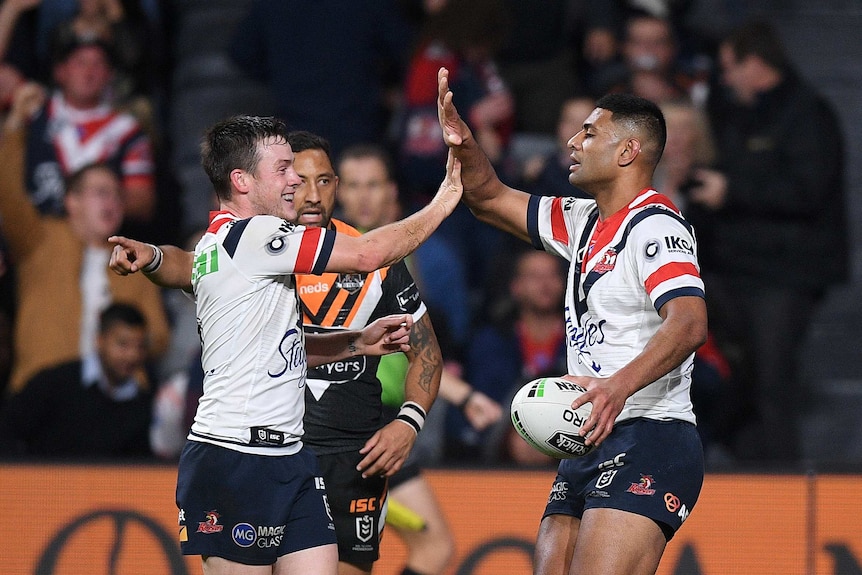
column 630, row 151
column 239, row 179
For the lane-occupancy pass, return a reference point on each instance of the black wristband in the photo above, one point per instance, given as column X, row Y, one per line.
column 461, row 406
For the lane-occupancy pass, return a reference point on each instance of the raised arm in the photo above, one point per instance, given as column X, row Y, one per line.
column 388, row 244
column 166, row 266
column 488, row 198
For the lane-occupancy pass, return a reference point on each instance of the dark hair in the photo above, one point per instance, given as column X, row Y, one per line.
column 759, row 39
column 302, row 141
column 67, row 42
column 121, row 313
column 643, row 115
column 235, row 144
column 76, row 178
column 374, row 151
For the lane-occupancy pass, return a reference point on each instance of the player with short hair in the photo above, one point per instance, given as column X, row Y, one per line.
column 635, row 314
column 248, row 425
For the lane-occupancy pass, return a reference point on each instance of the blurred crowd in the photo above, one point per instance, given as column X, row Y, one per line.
column 94, row 365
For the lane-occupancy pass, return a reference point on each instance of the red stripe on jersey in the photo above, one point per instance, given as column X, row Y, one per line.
column 655, row 199
column 558, row 223
column 669, row 271
column 307, row 251
column 218, row 219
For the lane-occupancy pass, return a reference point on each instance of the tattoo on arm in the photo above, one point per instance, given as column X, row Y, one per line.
column 426, row 351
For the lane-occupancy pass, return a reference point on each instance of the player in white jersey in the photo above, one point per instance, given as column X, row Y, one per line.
column 635, row 315
column 250, row 496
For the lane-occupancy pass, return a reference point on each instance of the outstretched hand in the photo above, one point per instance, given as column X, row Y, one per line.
column 129, row 255
column 451, row 188
column 455, row 131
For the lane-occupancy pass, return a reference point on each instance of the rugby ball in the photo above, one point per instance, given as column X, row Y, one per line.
column 542, row 414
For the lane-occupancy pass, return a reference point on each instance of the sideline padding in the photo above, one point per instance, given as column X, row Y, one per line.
column 78, row 519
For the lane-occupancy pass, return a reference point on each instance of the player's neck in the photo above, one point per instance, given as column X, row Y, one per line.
column 618, row 195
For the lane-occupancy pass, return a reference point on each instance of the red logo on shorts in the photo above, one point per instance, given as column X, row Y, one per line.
column 642, row 488
column 211, row 524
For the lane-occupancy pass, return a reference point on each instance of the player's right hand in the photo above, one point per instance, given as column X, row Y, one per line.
column 129, row 255
column 455, row 131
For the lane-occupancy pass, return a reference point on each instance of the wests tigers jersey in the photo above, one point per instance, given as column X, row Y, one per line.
column 342, row 399
column 624, row 270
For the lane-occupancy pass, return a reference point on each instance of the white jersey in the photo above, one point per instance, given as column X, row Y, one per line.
column 623, row 270
column 248, row 316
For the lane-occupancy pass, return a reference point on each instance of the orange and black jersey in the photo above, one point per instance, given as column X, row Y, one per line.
column 342, row 398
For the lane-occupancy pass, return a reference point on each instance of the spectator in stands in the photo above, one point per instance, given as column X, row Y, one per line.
column 547, row 174
column 93, row 406
column 348, row 49
column 524, row 339
column 689, row 146
column 649, row 66
column 63, row 281
column 79, row 125
column 777, row 237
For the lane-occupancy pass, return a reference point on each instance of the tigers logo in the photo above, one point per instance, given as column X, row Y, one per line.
column 211, row 524
column 351, row 283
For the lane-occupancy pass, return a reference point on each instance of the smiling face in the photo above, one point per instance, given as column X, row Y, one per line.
column 315, row 196
column 271, row 187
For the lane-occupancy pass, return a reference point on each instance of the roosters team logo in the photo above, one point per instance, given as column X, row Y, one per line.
column 607, row 263
column 211, row 524
column 644, row 487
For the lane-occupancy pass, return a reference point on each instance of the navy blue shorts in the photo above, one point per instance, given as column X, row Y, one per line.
column 250, row 509
column 648, row 467
column 357, row 507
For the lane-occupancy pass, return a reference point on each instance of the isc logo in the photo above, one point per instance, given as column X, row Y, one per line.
column 363, row 505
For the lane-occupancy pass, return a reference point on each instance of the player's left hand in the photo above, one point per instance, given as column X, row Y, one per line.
column 386, row 335
column 607, row 399
column 386, row 450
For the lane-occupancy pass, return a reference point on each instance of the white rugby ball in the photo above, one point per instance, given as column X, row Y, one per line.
column 542, row 414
